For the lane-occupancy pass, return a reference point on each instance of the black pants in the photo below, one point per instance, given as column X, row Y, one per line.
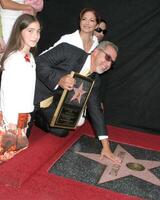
column 41, row 121
column 30, row 124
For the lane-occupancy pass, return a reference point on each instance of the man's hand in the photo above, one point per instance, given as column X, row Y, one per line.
column 67, row 82
column 106, row 151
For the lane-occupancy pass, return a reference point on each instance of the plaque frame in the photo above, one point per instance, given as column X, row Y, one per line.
column 72, row 103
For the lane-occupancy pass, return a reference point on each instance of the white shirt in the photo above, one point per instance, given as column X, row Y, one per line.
column 17, row 87
column 75, row 40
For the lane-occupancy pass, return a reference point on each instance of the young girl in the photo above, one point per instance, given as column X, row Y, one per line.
column 17, row 86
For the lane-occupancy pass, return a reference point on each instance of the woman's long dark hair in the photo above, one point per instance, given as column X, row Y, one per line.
column 15, row 40
column 97, row 16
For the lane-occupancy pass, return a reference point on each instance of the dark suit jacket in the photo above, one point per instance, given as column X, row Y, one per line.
column 57, row 62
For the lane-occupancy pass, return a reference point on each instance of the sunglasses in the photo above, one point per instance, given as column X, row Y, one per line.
column 107, row 56
column 99, row 30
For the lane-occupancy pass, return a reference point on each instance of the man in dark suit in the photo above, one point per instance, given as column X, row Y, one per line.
column 53, row 75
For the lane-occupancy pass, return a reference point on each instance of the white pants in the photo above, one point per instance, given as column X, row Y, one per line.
column 8, row 18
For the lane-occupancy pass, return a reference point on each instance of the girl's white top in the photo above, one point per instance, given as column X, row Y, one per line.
column 17, row 86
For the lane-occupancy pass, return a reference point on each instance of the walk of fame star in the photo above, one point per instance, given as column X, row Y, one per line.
column 78, row 92
column 114, row 171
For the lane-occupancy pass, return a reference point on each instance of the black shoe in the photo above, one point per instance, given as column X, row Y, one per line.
column 58, row 131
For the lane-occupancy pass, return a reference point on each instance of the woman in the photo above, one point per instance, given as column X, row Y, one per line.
column 84, row 38
column 10, row 11
column 17, row 85
column 101, row 30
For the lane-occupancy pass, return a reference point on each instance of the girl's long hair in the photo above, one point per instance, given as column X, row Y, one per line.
column 15, row 40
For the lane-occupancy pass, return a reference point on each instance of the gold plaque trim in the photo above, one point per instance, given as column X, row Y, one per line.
column 58, row 110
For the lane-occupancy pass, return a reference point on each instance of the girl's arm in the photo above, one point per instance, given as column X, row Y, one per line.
column 9, row 4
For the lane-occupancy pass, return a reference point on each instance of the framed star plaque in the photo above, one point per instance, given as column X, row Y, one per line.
column 72, row 103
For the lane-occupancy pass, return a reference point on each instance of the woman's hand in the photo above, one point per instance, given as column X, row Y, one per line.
column 2, row 45
column 30, row 10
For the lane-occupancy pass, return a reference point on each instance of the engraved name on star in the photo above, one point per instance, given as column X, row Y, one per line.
column 114, row 171
column 78, row 92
